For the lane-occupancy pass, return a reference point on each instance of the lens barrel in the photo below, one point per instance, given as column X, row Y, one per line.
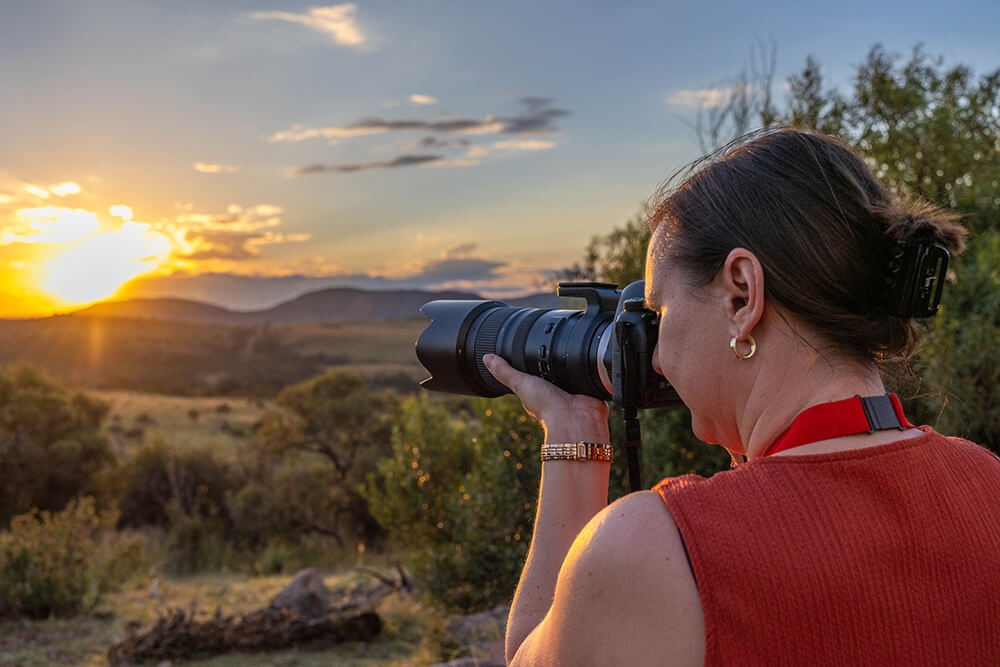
column 570, row 348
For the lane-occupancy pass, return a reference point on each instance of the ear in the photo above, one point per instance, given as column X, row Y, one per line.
column 742, row 282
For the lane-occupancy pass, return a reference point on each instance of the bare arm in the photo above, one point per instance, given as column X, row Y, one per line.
column 571, row 492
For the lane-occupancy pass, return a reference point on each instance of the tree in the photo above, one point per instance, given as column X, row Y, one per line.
column 928, row 132
column 335, row 420
column 933, row 132
column 51, row 445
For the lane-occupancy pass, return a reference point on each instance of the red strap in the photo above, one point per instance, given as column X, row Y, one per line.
column 831, row 420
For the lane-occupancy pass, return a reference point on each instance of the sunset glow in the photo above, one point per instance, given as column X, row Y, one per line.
column 270, row 149
column 95, row 268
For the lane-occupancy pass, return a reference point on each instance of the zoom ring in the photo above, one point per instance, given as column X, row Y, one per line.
column 486, row 342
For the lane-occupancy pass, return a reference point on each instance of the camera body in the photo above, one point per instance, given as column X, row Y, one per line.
column 604, row 350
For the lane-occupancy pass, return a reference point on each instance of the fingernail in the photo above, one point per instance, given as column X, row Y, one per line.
column 488, row 359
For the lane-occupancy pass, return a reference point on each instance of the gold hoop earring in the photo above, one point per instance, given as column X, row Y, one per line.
column 743, row 357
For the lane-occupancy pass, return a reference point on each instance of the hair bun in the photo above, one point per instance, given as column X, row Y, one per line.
column 921, row 222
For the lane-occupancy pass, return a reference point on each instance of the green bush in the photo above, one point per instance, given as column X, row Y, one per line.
column 195, row 543
column 50, row 443
column 459, row 493
column 58, row 564
column 158, row 482
column 960, row 392
column 287, row 501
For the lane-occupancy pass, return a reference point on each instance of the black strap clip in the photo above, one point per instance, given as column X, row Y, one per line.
column 880, row 413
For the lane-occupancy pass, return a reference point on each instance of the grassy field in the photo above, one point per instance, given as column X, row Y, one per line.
column 216, row 423
column 187, row 359
column 410, row 636
column 390, row 342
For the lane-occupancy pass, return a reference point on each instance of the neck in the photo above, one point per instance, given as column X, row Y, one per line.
column 764, row 419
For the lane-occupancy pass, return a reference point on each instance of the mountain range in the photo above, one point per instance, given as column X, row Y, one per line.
column 328, row 305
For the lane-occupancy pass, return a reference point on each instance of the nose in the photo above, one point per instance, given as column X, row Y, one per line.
column 656, row 359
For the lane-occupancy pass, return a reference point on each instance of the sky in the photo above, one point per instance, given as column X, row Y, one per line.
column 243, row 153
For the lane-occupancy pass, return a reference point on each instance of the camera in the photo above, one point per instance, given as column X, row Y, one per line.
column 604, row 350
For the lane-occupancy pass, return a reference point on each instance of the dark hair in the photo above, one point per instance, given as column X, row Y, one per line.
column 820, row 223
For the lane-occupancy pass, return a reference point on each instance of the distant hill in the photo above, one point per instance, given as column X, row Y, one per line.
column 328, row 305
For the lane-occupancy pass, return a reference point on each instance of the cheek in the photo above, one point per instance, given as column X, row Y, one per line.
column 687, row 356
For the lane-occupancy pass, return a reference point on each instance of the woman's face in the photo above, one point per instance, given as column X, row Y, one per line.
column 692, row 349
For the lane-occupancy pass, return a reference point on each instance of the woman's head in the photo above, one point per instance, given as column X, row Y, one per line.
column 785, row 236
column 821, row 225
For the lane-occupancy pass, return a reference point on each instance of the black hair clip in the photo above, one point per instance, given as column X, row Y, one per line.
column 916, row 279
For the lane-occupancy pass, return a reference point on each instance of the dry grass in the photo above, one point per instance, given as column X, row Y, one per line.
column 411, row 634
column 389, row 342
column 221, row 424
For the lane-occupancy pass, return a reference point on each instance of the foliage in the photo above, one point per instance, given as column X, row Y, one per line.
column 459, row 492
column 933, row 133
column 334, row 418
column 960, row 393
column 58, row 564
column 616, row 257
column 159, row 483
column 295, row 497
column 50, row 443
column 928, row 132
column 668, row 449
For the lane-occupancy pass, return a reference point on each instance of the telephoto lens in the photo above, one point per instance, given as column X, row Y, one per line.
column 569, row 348
column 604, row 350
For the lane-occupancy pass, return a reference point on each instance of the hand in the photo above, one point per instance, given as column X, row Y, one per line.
column 565, row 417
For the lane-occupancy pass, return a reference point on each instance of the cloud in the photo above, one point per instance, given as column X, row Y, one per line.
column 446, row 270
column 50, row 224
column 422, row 99
column 434, row 142
column 459, row 250
column 213, row 168
column 231, row 236
column 335, row 20
column 537, row 117
column 707, row 98
column 37, row 191
column 64, row 189
column 523, row 145
column 59, row 190
column 121, row 211
column 401, row 161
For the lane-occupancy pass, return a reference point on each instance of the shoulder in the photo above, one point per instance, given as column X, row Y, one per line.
column 625, row 593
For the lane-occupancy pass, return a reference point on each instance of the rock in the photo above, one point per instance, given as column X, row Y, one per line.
column 483, row 635
column 306, row 594
column 482, row 627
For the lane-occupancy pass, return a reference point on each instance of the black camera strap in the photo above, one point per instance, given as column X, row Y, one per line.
column 627, row 400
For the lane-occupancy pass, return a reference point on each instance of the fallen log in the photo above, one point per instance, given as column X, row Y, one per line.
column 180, row 636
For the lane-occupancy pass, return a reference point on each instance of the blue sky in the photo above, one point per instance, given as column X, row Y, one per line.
column 201, row 116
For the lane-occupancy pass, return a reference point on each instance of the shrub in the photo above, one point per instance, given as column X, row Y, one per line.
column 158, row 482
column 50, row 443
column 61, row 563
column 195, row 543
column 960, row 391
column 460, row 495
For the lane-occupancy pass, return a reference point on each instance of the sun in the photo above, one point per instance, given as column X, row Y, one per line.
column 95, row 267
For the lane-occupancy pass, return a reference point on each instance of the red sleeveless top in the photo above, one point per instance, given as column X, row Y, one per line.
column 888, row 555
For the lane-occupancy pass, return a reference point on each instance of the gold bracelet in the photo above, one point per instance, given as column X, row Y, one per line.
column 577, row 451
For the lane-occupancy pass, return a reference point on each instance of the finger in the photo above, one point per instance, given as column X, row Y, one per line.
column 502, row 371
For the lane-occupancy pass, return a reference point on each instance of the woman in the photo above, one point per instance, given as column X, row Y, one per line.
column 774, row 269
